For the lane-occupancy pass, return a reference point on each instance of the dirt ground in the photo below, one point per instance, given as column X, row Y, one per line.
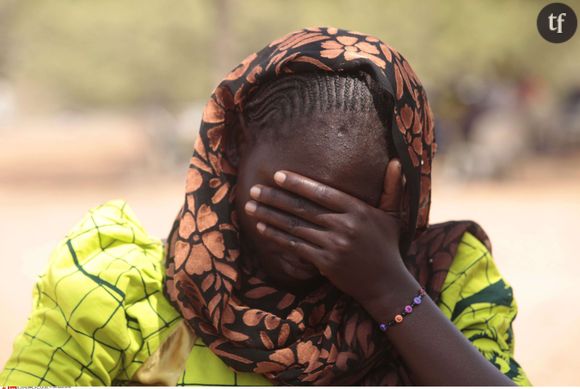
column 532, row 221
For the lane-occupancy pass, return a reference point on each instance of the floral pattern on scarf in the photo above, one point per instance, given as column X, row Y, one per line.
column 325, row 337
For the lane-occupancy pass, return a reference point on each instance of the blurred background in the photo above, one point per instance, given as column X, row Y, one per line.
column 102, row 100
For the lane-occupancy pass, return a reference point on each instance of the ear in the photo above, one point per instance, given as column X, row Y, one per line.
column 233, row 150
column 236, row 143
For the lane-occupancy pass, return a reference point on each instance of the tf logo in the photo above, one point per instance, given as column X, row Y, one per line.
column 557, row 22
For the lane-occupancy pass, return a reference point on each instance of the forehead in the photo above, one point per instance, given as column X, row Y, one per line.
column 332, row 155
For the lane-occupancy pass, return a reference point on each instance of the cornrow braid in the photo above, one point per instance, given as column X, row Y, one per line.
column 306, row 95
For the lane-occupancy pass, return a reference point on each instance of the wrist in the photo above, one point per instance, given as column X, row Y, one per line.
column 398, row 294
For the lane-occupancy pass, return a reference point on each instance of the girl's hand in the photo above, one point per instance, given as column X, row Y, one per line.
column 353, row 244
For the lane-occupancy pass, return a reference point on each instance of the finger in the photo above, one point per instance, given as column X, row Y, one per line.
column 392, row 187
column 294, row 245
column 287, row 223
column 315, row 191
column 291, row 203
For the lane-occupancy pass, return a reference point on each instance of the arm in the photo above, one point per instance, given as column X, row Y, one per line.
column 65, row 341
column 91, row 314
column 356, row 247
column 435, row 351
column 480, row 304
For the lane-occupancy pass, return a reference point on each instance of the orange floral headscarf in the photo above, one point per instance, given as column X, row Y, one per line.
column 325, row 337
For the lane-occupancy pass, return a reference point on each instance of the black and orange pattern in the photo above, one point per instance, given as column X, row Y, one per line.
column 325, row 338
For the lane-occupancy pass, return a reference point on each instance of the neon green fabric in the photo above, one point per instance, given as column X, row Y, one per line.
column 99, row 311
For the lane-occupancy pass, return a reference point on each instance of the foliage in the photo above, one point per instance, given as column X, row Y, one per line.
column 130, row 53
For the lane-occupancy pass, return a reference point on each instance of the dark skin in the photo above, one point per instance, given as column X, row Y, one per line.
column 314, row 212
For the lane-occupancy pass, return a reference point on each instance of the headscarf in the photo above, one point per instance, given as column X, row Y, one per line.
column 325, row 337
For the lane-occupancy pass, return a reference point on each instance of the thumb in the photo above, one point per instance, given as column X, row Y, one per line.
column 392, row 187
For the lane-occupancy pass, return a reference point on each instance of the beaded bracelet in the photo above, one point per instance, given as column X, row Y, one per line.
column 407, row 311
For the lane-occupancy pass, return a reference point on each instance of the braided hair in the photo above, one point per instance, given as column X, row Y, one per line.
column 344, row 103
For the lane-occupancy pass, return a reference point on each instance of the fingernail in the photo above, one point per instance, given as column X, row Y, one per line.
column 280, row 177
column 250, row 207
column 255, row 192
column 260, row 226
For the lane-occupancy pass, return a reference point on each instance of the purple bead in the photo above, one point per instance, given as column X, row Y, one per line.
column 408, row 309
column 417, row 300
column 383, row 327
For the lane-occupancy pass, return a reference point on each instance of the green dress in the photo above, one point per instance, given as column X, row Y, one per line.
column 99, row 310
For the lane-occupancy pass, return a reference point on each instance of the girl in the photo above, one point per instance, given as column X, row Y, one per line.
column 302, row 253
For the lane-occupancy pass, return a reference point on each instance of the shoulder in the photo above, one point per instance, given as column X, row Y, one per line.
column 480, row 302
column 99, row 304
column 474, row 278
column 106, row 252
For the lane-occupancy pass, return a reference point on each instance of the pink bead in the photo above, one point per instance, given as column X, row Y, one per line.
column 408, row 309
